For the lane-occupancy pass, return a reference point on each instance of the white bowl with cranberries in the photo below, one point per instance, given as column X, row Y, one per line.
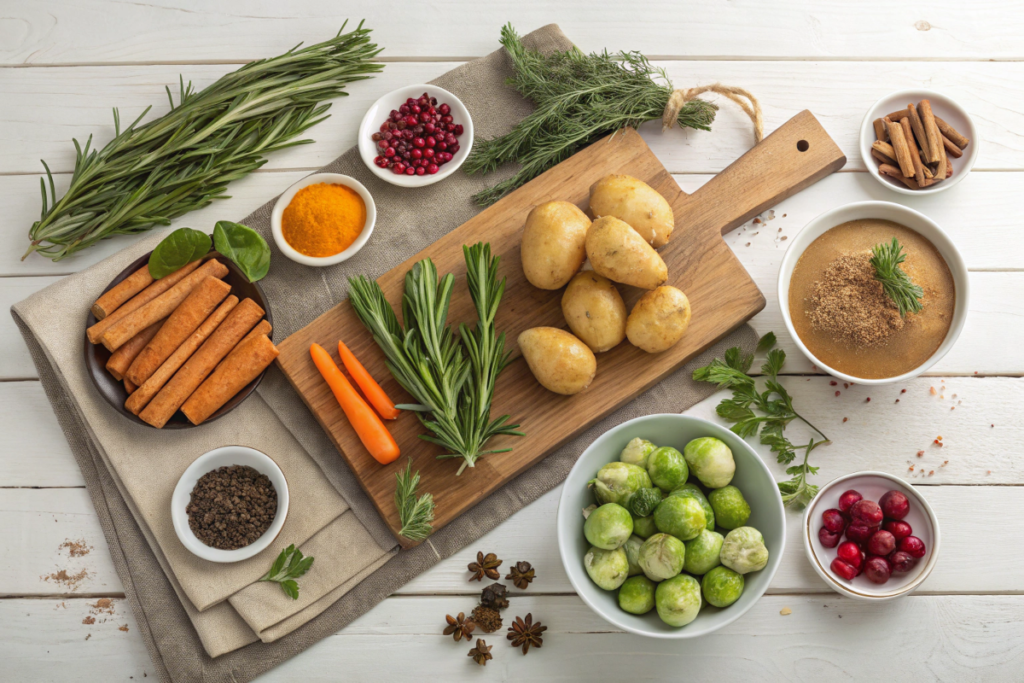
column 871, row 536
column 416, row 135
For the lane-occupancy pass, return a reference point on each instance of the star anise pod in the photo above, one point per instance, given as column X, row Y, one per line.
column 481, row 653
column 494, row 596
column 521, row 574
column 485, row 565
column 526, row 633
column 459, row 627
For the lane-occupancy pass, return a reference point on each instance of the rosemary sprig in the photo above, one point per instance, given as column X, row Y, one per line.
column 886, row 259
column 775, row 406
column 152, row 173
column 416, row 514
column 580, row 98
column 288, row 566
column 451, row 377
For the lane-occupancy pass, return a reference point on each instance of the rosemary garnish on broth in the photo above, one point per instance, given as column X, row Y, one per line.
column 886, row 260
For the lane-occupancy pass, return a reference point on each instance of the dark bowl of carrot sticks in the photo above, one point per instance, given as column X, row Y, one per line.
column 183, row 350
column 918, row 142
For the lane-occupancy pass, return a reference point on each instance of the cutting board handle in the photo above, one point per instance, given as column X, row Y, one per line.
column 798, row 154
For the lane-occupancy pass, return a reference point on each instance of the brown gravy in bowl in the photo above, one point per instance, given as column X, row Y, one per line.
column 889, row 346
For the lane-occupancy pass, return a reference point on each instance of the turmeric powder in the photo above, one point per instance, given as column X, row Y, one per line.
column 323, row 219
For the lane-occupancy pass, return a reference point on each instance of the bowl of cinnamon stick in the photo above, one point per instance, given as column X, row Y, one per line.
column 918, row 142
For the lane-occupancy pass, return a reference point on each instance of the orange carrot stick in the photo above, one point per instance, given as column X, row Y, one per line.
column 371, row 431
column 371, row 390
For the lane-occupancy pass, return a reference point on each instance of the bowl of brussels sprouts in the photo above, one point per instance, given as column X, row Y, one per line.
column 670, row 526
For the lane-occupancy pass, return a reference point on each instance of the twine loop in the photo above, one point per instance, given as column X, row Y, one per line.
column 742, row 97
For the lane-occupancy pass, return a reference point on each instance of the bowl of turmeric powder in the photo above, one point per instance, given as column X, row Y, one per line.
column 323, row 219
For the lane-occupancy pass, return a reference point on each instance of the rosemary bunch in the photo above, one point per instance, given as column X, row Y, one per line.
column 415, row 514
column 152, row 173
column 580, row 98
column 775, row 412
column 886, row 260
column 452, row 378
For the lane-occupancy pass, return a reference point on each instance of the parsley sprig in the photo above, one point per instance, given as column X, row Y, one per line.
column 768, row 411
column 288, row 566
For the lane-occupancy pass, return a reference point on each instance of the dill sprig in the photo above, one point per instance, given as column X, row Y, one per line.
column 886, row 259
column 580, row 98
column 775, row 406
column 416, row 514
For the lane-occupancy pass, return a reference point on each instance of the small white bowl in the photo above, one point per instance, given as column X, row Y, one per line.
column 946, row 109
column 331, row 179
column 752, row 477
column 907, row 217
column 226, row 457
column 379, row 112
column 872, row 485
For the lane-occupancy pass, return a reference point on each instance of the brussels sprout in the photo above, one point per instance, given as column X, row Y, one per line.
column 636, row 452
column 693, row 491
column 711, row 460
column 608, row 526
column 644, row 501
column 667, row 468
column 731, row 508
column 683, row 517
column 644, row 527
column 722, row 586
column 662, row 557
column 632, row 548
column 744, row 551
column 617, row 481
column 637, row 595
column 702, row 552
column 607, row 568
column 678, row 600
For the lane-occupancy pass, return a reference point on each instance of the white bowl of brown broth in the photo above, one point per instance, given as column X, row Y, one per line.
column 823, row 274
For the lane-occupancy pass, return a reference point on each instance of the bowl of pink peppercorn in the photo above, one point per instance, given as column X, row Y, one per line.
column 871, row 536
column 416, row 135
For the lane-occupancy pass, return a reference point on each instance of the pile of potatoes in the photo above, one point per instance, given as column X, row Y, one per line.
column 632, row 220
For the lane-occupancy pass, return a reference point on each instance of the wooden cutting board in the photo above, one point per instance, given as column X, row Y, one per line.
column 722, row 296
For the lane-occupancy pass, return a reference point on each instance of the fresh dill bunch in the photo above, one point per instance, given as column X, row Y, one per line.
column 580, row 98
column 416, row 514
column 886, row 260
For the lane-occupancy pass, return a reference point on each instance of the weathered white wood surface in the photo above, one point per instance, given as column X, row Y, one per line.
column 63, row 66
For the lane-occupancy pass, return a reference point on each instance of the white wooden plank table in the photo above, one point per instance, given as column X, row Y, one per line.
column 63, row 66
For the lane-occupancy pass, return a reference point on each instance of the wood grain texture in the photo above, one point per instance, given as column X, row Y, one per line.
column 720, row 291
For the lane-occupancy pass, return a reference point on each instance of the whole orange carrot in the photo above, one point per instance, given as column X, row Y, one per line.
column 371, row 431
column 371, row 390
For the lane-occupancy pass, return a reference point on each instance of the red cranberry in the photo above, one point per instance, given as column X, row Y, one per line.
column 398, row 168
column 440, row 146
column 429, row 128
column 834, row 521
column 428, row 153
column 453, row 148
column 401, row 125
column 415, row 109
column 380, row 161
column 902, row 562
column 847, row 500
column 433, row 168
column 914, row 546
column 419, row 142
column 410, row 171
column 868, row 512
column 843, row 569
column 444, row 109
column 394, row 115
column 877, row 570
column 389, row 152
column 894, row 504
column 385, row 126
column 408, row 134
column 446, row 119
column 827, row 538
column 411, row 120
column 849, row 552
column 421, row 171
column 458, row 129
column 898, row 529
column 881, row 543
column 858, row 532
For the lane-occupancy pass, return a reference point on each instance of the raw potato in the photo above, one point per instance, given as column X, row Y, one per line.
column 659, row 319
column 619, row 253
column 635, row 202
column 595, row 311
column 553, row 244
column 560, row 362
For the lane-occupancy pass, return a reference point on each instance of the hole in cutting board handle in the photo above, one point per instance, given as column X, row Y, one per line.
column 803, row 145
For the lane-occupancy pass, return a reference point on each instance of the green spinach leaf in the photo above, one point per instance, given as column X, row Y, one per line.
column 177, row 250
column 244, row 247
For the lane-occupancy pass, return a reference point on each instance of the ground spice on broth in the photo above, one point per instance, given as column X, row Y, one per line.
column 863, row 337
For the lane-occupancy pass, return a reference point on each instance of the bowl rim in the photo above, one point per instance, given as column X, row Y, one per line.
column 333, row 179
column 715, row 430
column 867, row 135
column 957, row 267
column 245, row 455
column 370, row 123
column 842, row 588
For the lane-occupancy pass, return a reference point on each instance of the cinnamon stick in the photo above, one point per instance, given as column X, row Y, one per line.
column 915, row 157
column 899, row 144
column 931, row 132
column 886, row 150
column 918, row 127
column 951, row 149
column 893, row 172
column 880, row 132
column 897, row 115
column 951, row 133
